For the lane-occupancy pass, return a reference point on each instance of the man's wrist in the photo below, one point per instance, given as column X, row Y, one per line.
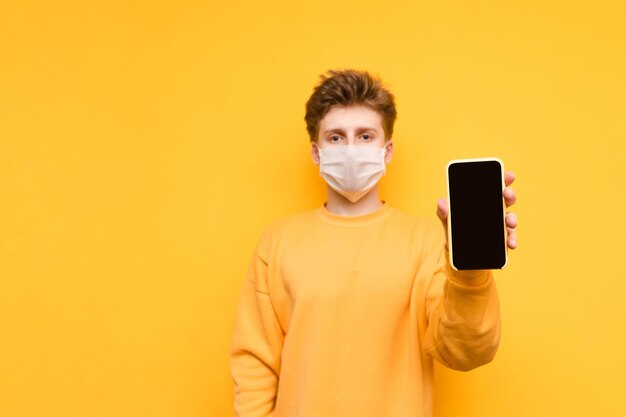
column 472, row 277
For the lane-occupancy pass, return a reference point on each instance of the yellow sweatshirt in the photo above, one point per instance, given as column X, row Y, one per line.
column 341, row 316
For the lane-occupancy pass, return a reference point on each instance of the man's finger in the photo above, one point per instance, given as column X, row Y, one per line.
column 509, row 177
column 511, row 220
column 509, row 196
column 442, row 209
column 511, row 239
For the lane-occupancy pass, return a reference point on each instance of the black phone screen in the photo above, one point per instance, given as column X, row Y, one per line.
column 476, row 215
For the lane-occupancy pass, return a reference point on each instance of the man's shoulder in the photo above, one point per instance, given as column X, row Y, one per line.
column 291, row 220
column 428, row 224
column 288, row 222
column 280, row 228
column 419, row 229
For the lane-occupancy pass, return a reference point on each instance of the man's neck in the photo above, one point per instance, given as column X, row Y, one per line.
column 338, row 204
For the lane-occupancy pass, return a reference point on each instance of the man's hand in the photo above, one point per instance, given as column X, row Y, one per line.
column 510, row 218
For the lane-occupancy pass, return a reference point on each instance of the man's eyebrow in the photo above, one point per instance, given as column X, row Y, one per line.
column 358, row 129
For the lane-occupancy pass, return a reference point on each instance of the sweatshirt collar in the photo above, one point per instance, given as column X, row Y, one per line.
column 354, row 221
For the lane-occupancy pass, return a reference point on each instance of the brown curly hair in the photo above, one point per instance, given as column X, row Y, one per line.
column 349, row 87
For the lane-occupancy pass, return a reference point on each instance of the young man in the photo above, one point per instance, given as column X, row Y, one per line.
column 345, row 306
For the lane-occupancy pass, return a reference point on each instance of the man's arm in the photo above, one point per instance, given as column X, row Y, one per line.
column 463, row 312
column 256, row 346
column 462, row 307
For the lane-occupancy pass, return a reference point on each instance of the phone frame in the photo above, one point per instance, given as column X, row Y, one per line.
column 449, row 219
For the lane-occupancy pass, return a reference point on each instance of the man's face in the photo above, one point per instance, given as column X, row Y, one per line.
column 353, row 125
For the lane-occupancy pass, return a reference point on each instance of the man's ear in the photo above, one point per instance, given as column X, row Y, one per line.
column 315, row 153
column 389, row 153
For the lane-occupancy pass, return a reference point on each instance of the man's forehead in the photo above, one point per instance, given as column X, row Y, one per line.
column 361, row 118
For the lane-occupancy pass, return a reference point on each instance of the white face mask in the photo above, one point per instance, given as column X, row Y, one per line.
column 352, row 170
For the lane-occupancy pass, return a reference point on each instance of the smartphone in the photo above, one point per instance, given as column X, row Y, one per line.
column 476, row 226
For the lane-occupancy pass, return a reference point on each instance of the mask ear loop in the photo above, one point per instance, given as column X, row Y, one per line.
column 385, row 150
column 387, row 144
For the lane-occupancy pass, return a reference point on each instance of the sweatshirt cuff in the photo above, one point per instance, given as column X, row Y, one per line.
column 471, row 277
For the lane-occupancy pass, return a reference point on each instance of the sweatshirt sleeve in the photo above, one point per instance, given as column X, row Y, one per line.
column 462, row 310
column 256, row 346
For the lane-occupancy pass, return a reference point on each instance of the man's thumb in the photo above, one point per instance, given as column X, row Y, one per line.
column 442, row 209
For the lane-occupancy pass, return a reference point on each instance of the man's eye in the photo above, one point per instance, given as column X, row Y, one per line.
column 334, row 138
column 366, row 136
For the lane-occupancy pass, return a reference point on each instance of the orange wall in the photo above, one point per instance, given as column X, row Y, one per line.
column 145, row 146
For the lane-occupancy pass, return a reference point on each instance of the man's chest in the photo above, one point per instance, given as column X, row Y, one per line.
column 348, row 270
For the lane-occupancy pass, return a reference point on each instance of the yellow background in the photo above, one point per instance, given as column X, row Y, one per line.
column 144, row 146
